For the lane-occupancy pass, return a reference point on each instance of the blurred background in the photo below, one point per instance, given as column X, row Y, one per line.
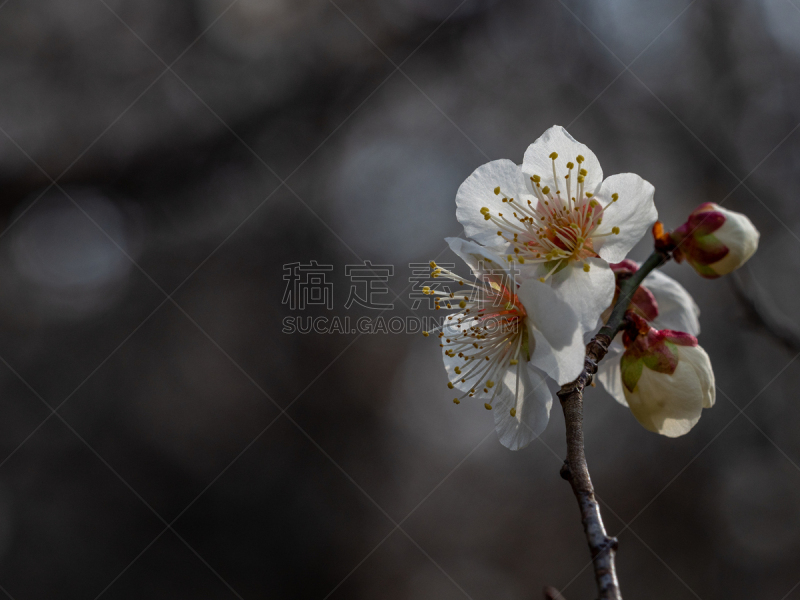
column 162, row 161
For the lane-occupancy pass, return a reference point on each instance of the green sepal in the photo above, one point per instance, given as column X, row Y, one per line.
column 631, row 367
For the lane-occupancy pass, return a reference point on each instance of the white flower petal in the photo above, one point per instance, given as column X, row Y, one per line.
column 537, row 160
column 676, row 308
column 480, row 259
column 478, row 192
column 609, row 373
column 532, row 404
column 741, row 238
column 701, row 363
column 555, row 340
column 634, row 213
column 588, row 293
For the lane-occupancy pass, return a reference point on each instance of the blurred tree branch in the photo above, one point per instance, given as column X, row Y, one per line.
column 763, row 311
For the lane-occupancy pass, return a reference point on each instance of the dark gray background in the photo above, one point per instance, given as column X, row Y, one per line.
column 141, row 294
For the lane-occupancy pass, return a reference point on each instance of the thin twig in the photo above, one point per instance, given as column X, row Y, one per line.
column 575, row 470
column 762, row 309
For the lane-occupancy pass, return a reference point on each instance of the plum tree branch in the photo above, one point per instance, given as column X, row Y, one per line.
column 575, row 470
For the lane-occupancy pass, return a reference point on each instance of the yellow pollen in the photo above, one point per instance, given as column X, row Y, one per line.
column 462, row 304
column 488, row 406
column 554, row 155
column 487, row 216
column 536, row 179
column 426, row 290
column 490, row 383
column 579, row 158
column 450, row 384
column 570, row 165
column 545, row 190
column 541, row 279
column 521, row 260
column 457, row 370
column 456, row 401
column 497, row 190
column 513, row 361
column 614, row 197
column 425, row 333
column 484, row 211
column 433, row 265
column 580, row 178
column 513, row 412
column 586, row 267
column 615, row 230
column 583, row 172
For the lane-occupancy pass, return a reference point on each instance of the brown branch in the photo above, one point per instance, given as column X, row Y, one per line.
column 575, row 470
column 602, row 547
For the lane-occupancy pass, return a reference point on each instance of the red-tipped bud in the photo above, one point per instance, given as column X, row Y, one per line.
column 714, row 240
column 666, row 378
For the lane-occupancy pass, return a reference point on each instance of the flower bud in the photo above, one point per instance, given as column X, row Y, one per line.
column 667, row 381
column 714, row 240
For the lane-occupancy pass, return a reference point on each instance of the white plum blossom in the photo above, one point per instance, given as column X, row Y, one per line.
column 503, row 341
column 660, row 300
column 559, row 219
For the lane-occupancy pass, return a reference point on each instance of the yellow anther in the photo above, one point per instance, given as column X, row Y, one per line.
column 426, row 290
column 579, row 158
column 554, row 155
column 513, row 361
column 510, row 258
column 536, row 179
column 456, row 401
column 570, row 165
column 487, row 406
column 586, row 267
column 541, row 279
column 462, row 304
column 521, row 260
column 589, row 194
column 513, row 412
column 497, row 190
column 484, row 211
column 593, row 203
column 457, row 370
column 433, row 265
column 545, row 190
column 487, row 216
column 580, row 178
column 450, row 385
column 490, row 383
column 614, row 197
column 425, row 333
column 583, row 172
column 615, row 230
